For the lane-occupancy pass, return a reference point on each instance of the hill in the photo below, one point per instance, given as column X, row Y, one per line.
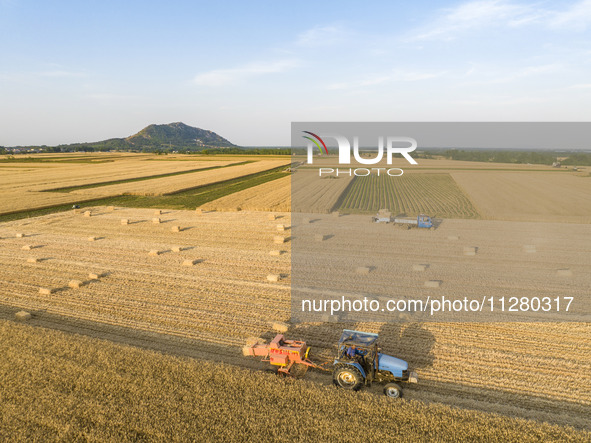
column 153, row 138
column 177, row 134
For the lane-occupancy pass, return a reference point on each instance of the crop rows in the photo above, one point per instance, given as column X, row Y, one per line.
column 316, row 195
column 411, row 194
column 153, row 293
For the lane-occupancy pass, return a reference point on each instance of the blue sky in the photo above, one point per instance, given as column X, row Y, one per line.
column 86, row 71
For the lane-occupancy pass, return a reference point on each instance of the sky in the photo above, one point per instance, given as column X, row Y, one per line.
column 82, row 71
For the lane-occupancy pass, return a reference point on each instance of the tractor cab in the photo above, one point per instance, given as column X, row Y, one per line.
column 364, row 364
column 365, row 345
column 424, row 221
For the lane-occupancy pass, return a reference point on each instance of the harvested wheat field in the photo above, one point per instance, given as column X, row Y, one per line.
column 120, row 393
column 272, row 196
column 528, row 196
column 317, row 195
column 77, row 179
column 485, row 258
column 155, row 291
column 167, row 185
column 225, row 296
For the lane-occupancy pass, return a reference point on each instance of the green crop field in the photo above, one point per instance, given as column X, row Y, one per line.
column 436, row 195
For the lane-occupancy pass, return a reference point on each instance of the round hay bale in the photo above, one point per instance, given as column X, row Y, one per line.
column 154, row 252
column 177, row 248
column 124, row 221
column 419, row 268
column 20, row 235
column 189, row 262
column 275, row 253
column 75, row 284
column 87, row 213
column 280, row 228
column 273, row 277
column 280, row 326
column 198, row 211
column 307, row 220
column 157, row 212
column 93, row 276
column 362, row 270
column 335, row 214
column 470, row 250
column 22, row 316
column 319, row 237
column 27, row 247
column 46, row 291
column 564, row 272
column 272, row 217
column 92, row 238
column 175, row 229
column 433, row 283
column 156, row 221
column 32, row 260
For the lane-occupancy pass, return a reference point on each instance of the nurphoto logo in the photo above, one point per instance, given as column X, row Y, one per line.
column 393, row 145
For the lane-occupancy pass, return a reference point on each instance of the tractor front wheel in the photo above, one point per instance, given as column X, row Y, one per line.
column 347, row 377
column 393, row 390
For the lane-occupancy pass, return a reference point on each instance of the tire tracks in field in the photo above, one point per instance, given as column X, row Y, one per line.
column 449, row 392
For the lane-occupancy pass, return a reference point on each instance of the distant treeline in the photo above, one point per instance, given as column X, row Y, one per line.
column 115, row 146
column 578, row 159
column 521, row 157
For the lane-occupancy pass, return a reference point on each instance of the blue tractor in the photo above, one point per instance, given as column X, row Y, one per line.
column 360, row 363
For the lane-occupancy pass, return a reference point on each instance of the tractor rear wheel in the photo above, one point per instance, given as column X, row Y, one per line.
column 393, row 390
column 347, row 377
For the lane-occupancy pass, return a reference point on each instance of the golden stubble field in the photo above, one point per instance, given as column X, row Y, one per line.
column 539, row 371
column 29, row 185
column 67, row 387
column 443, row 188
column 528, row 196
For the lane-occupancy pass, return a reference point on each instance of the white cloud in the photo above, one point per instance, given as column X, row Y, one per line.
column 320, row 36
column 500, row 13
column 577, row 17
column 219, row 77
column 476, row 14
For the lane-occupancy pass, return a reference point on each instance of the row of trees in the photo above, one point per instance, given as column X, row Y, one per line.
column 542, row 158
